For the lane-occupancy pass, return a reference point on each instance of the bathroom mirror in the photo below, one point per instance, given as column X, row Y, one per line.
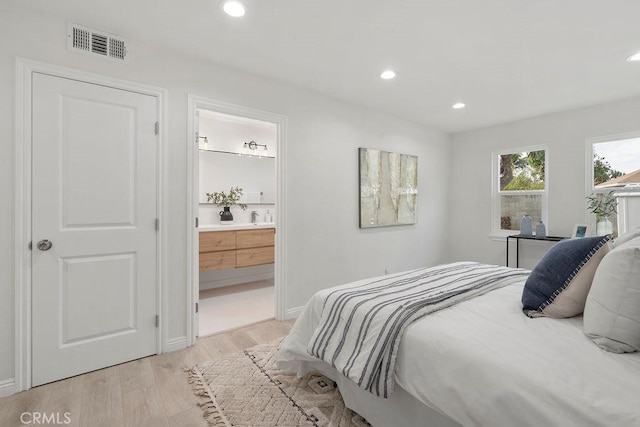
column 219, row 171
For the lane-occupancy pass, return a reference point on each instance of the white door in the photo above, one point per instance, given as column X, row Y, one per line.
column 94, row 196
column 196, row 233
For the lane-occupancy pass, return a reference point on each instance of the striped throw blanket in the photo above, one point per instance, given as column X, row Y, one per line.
column 361, row 325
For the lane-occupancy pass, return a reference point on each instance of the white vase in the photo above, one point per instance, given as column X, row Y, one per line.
column 604, row 226
column 526, row 229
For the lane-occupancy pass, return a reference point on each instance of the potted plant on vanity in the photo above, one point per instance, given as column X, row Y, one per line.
column 226, row 200
column 603, row 206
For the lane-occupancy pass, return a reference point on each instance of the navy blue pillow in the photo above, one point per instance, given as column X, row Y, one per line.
column 559, row 284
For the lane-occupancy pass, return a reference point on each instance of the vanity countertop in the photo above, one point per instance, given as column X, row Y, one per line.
column 236, row 226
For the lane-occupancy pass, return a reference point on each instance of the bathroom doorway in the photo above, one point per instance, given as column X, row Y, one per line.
column 235, row 266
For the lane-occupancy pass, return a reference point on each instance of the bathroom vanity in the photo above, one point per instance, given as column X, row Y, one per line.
column 236, row 245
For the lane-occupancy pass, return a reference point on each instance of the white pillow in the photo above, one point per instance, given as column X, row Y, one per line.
column 612, row 310
column 626, row 237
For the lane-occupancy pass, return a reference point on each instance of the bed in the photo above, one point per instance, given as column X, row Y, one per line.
column 483, row 362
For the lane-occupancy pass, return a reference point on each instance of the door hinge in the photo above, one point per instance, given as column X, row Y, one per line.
column 197, row 222
column 157, row 224
column 30, row 245
column 197, row 308
column 157, row 321
column 157, row 128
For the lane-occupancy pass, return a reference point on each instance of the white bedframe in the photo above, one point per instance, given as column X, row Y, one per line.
column 400, row 409
column 482, row 362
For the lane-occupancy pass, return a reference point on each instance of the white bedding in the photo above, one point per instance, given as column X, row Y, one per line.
column 484, row 363
column 362, row 325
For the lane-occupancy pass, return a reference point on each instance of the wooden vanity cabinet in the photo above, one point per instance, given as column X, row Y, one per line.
column 259, row 238
column 238, row 248
column 255, row 247
column 211, row 241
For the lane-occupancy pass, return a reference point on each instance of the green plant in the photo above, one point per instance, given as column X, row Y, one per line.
column 603, row 204
column 227, row 199
column 523, row 182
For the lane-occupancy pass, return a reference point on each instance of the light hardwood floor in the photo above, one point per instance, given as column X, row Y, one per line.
column 153, row 391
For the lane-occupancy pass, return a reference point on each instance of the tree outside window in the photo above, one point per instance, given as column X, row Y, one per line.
column 602, row 170
column 522, row 187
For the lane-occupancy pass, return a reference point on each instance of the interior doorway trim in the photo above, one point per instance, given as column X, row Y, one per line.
column 25, row 68
column 199, row 103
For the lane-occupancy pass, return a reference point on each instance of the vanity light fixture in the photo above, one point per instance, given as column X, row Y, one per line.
column 253, row 146
column 388, row 74
column 458, row 105
column 635, row 57
column 203, row 142
column 234, row 8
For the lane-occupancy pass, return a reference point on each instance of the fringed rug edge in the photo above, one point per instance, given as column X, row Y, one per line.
column 212, row 412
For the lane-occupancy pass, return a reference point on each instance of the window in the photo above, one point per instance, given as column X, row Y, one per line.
column 613, row 163
column 520, row 187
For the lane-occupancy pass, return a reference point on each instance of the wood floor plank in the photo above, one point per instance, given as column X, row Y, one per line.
column 267, row 331
column 217, row 345
column 12, row 407
column 171, row 379
column 143, row 407
column 190, row 418
column 102, row 399
column 65, row 400
column 153, row 391
column 137, row 374
column 241, row 339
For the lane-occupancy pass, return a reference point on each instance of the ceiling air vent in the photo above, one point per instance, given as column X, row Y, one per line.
column 96, row 42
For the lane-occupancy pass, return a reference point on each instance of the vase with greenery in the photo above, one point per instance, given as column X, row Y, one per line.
column 226, row 200
column 603, row 205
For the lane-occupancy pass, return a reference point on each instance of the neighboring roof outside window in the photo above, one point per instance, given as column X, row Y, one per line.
column 626, row 180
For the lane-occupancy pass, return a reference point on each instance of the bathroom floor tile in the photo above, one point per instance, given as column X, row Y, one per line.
column 230, row 307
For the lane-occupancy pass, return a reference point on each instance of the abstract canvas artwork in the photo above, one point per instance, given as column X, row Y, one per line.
column 388, row 188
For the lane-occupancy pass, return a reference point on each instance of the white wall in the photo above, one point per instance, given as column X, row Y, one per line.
column 565, row 134
column 324, row 245
column 229, row 133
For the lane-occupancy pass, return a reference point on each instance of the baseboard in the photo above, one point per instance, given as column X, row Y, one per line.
column 229, row 281
column 177, row 343
column 293, row 313
column 7, row 387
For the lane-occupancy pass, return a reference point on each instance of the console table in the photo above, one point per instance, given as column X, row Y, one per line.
column 518, row 237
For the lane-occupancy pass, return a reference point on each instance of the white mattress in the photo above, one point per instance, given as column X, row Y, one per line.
column 484, row 363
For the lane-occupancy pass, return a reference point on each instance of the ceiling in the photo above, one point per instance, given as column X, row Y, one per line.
column 506, row 59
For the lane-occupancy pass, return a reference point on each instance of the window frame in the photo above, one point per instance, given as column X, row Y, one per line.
column 589, row 187
column 496, row 207
column 589, row 217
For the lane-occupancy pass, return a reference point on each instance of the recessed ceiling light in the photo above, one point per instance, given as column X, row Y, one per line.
column 458, row 105
column 234, row 8
column 387, row 74
column 634, row 57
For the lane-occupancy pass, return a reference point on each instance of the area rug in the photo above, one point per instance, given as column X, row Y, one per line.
column 247, row 389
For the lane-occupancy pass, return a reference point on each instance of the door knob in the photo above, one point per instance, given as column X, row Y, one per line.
column 44, row 245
